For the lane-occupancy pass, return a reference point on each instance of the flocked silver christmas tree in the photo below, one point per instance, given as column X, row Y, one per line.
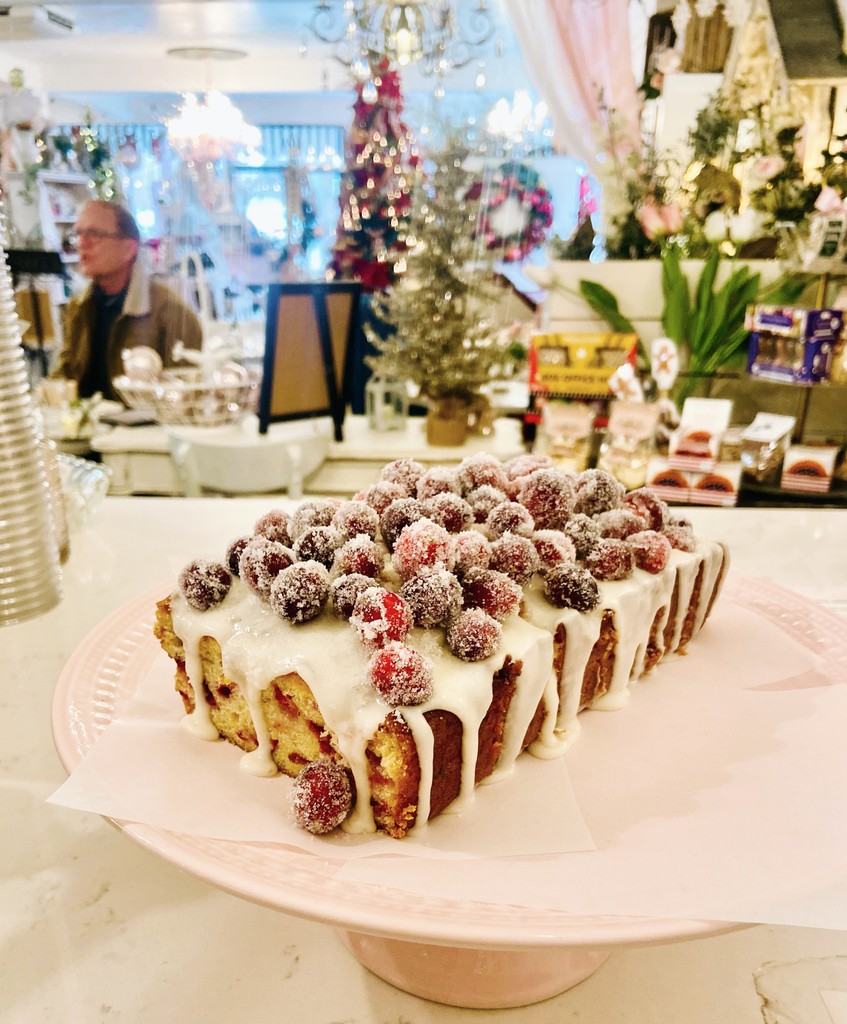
column 440, row 327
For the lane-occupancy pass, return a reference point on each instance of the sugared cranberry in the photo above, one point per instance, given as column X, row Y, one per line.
column 380, row 495
column 515, row 556
column 509, row 517
column 400, row 675
column 317, row 544
column 620, row 523
column 300, row 591
column 548, row 496
column 484, row 499
column 405, row 472
column 474, row 635
column 434, row 597
column 438, row 480
column 494, row 592
column 523, row 465
column 355, row 517
column 261, row 562
column 345, row 592
column 597, row 491
column 450, row 510
column 204, row 584
column 553, row 547
column 571, row 586
column 424, row 544
column 583, row 531
column 379, row 616
column 275, row 526
column 234, row 552
column 681, row 536
column 478, row 470
column 651, row 550
column 471, row 551
column 397, row 517
column 311, row 513
column 359, row 555
column 610, row 559
column 646, row 504
column 321, row 797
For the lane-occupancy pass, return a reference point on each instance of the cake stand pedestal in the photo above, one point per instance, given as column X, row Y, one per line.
column 482, row 979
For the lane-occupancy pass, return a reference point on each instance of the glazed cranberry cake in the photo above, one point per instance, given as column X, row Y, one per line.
column 391, row 651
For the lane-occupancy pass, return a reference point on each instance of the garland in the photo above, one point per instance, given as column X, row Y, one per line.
column 519, row 186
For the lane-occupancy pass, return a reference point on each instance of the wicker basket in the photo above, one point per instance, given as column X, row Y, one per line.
column 185, row 399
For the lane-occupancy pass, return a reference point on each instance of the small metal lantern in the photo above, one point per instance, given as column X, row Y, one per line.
column 386, row 404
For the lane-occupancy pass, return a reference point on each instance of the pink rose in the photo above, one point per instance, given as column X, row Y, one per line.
column 650, row 219
column 768, row 167
column 829, row 201
column 658, row 221
column 672, row 217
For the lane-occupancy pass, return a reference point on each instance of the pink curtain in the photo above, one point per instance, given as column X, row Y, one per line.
column 578, row 55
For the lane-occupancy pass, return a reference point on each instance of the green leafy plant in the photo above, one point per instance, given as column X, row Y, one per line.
column 708, row 327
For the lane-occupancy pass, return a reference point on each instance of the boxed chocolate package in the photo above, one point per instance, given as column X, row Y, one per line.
column 695, row 444
column 790, row 344
column 808, row 468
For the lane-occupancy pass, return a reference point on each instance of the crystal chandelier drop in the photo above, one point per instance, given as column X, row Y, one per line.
column 422, row 32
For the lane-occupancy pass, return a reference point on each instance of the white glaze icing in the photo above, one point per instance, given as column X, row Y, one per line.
column 257, row 646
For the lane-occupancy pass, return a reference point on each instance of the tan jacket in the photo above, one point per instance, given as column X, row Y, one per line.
column 152, row 315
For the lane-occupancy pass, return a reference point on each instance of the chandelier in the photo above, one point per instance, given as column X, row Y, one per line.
column 422, row 32
column 212, row 128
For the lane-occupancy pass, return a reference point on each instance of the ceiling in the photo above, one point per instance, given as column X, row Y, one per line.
column 114, row 60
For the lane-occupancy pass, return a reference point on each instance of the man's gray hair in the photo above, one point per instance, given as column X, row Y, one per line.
column 124, row 221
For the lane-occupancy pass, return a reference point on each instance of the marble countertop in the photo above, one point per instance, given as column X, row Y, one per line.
column 98, row 929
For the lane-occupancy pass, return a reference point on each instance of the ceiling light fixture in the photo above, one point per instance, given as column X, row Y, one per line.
column 213, row 128
column 422, row 32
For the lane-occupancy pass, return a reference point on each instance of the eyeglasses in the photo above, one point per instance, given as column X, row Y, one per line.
column 92, row 235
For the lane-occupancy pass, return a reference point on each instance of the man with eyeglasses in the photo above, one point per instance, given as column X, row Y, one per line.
column 121, row 308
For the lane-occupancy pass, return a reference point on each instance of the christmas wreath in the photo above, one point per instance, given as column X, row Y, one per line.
column 516, row 211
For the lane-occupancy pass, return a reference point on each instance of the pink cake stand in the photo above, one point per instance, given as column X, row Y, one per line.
column 452, row 951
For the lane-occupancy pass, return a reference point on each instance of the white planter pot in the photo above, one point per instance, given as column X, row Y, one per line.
column 636, row 284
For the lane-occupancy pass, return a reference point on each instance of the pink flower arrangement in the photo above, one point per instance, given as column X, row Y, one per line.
column 768, row 167
column 830, row 201
column 660, row 221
